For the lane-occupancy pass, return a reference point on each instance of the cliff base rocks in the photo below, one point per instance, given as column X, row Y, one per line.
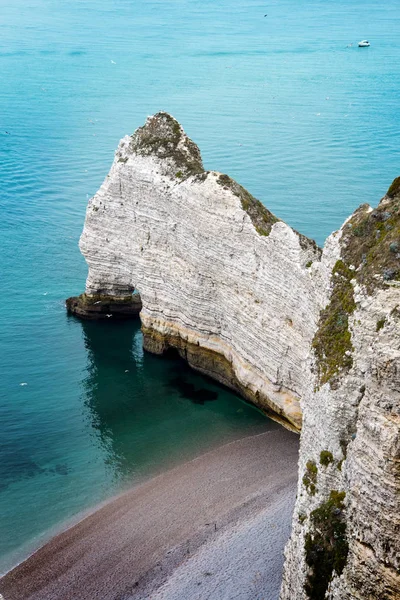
column 104, row 307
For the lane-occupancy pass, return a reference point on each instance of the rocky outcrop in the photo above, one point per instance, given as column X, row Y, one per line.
column 247, row 300
column 345, row 541
column 97, row 306
column 221, row 279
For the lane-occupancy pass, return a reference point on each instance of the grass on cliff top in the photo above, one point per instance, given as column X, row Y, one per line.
column 394, row 189
column 162, row 136
column 371, row 241
column 260, row 216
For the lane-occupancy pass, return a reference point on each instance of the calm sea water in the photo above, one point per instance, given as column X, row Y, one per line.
column 282, row 103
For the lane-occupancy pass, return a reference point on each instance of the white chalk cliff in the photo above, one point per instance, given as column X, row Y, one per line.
column 345, row 542
column 220, row 278
column 246, row 299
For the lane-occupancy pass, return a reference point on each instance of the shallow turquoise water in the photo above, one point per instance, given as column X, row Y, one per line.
column 281, row 103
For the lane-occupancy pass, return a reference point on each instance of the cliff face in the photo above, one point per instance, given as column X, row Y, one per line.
column 345, row 541
column 221, row 279
column 246, row 299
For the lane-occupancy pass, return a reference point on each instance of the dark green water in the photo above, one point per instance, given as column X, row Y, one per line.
column 105, row 416
column 148, row 411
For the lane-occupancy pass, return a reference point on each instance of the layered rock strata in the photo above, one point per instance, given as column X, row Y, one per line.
column 98, row 306
column 345, row 541
column 249, row 301
column 221, row 279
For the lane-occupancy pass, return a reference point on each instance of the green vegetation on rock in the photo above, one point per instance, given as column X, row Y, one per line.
column 326, row 458
column 394, row 189
column 260, row 216
column 371, row 241
column 326, row 546
column 162, row 136
column 380, row 323
column 332, row 341
column 310, row 477
column 370, row 254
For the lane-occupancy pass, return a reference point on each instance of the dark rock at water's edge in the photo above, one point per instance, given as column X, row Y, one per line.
column 104, row 307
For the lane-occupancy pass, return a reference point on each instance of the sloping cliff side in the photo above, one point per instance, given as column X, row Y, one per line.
column 345, row 541
column 249, row 301
column 221, row 279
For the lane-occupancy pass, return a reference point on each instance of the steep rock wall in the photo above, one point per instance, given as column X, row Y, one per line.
column 220, row 278
column 345, row 541
column 249, row 301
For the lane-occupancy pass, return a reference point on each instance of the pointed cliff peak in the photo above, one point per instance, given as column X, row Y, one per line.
column 371, row 241
column 394, row 189
column 162, row 136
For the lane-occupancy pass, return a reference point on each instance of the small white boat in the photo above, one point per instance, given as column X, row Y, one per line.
column 364, row 44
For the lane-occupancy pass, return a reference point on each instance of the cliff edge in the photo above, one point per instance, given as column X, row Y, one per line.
column 345, row 541
column 246, row 299
column 221, row 279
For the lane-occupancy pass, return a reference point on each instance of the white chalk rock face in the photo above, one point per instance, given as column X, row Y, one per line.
column 249, row 301
column 345, row 542
column 220, row 278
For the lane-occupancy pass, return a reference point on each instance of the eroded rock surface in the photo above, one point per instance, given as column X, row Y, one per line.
column 345, row 541
column 100, row 306
column 220, row 277
column 246, row 299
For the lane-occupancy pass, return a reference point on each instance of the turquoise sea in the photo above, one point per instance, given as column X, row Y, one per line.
column 285, row 103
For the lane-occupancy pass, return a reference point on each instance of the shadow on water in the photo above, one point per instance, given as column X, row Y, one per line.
column 17, row 464
column 181, row 376
column 138, row 403
column 190, row 392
